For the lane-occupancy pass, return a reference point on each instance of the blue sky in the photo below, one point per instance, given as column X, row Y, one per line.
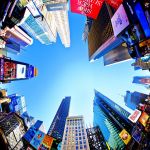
column 68, row 72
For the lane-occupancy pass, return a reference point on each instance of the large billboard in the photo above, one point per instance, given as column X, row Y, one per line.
column 119, row 20
column 144, row 118
column 37, row 139
column 125, row 136
column 88, row 8
column 47, row 143
column 21, row 71
column 114, row 3
column 135, row 116
column 9, row 70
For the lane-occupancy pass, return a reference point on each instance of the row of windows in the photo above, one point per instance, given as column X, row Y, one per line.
column 77, row 147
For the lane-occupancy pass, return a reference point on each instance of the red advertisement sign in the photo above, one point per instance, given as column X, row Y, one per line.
column 135, row 116
column 88, row 8
column 114, row 3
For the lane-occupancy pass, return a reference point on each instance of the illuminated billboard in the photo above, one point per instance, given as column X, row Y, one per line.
column 114, row 3
column 37, row 139
column 21, row 71
column 125, row 136
column 135, row 116
column 47, row 143
column 119, row 20
column 9, row 70
column 86, row 7
column 144, row 118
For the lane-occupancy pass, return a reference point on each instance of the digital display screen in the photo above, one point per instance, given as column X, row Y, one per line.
column 21, row 71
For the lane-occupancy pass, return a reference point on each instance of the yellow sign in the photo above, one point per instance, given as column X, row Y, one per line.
column 125, row 136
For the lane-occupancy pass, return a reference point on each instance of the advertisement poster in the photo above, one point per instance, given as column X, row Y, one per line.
column 135, row 116
column 30, row 134
column 119, row 20
column 1, row 68
column 143, row 119
column 137, row 134
column 88, row 8
column 37, row 139
column 21, row 71
column 9, row 70
column 125, row 136
column 30, row 71
column 47, row 143
column 114, row 3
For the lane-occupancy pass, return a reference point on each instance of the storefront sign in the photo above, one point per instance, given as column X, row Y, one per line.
column 37, row 139
column 125, row 136
column 135, row 116
column 119, row 20
column 21, row 71
column 47, row 143
column 88, row 8
column 143, row 119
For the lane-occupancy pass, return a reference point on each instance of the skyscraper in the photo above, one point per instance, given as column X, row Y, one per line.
column 59, row 9
column 111, row 119
column 133, row 99
column 75, row 136
column 57, row 127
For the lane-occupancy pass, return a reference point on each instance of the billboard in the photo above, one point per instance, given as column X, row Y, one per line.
column 137, row 134
column 116, row 55
column 1, row 68
column 30, row 134
column 135, row 116
column 125, row 136
column 9, row 70
column 143, row 118
column 56, row 6
column 142, row 18
column 88, row 8
column 114, row 3
column 21, row 71
column 47, row 143
column 119, row 20
column 37, row 139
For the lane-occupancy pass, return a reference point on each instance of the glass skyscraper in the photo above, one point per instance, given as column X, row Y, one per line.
column 57, row 127
column 111, row 119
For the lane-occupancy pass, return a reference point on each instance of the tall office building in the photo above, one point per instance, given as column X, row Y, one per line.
column 57, row 127
column 59, row 9
column 111, row 119
column 75, row 136
column 132, row 100
column 96, row 139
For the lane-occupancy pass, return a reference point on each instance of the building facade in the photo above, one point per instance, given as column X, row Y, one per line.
column 111, row 119
column 58, row 124
column 59, row 9
column 96, row 139
column 75, row 137
column 132, row 100
column 12, row 129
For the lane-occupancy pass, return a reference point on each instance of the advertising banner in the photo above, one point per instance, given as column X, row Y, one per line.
column 37, row 139
column 125, row 136
column 137, row 134
column 135, row 116
column 143, row 119
column 119, row 20
column 88, row 8
column 114, row 3
column 1, row 68
column 30, row 134
column 47, row 143
column 21, row 71
column 9, row 70
column 30, row 71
